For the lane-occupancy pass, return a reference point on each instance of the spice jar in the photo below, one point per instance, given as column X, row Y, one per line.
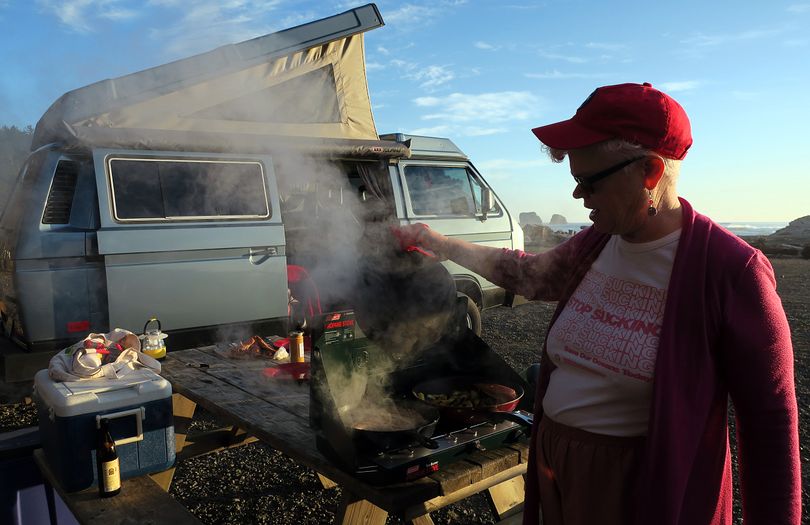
column 297, row 347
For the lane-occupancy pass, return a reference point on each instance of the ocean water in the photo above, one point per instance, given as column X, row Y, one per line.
column 745, row 228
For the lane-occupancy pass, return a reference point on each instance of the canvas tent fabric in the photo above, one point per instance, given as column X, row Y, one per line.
column 317, row 92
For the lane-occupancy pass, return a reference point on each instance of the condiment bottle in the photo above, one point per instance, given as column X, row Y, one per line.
column 297, row 347
column 109, row 471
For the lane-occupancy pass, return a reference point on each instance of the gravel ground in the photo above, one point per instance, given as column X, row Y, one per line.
column 256, row 484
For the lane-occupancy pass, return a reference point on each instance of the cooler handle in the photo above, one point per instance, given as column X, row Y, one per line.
column 140, row 414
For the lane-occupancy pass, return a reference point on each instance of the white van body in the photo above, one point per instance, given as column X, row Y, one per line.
column 175, row 192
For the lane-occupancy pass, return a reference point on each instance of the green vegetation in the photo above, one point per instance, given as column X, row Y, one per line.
column 15, row 143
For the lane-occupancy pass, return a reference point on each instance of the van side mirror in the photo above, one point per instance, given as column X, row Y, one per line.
column 487, row 202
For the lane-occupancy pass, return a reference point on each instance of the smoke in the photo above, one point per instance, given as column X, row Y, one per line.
column 333, row 229
column 365, row 399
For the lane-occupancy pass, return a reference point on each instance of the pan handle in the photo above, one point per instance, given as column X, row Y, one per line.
column 424, row 440
column 427, row 442
column 520, row 417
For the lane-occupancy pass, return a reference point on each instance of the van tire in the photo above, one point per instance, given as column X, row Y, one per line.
column 473, row 316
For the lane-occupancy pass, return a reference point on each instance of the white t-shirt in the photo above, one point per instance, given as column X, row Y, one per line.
column 605, row 341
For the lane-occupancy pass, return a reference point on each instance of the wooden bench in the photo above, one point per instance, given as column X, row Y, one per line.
column 141, row 500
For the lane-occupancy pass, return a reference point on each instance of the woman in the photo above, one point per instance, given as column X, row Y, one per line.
column 662, row 317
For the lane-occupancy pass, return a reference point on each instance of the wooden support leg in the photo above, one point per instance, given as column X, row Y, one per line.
column 506, row 498
column 326, row 482
column 354, row 512
column 183, row 410
column 425, row 519
column 237, row 435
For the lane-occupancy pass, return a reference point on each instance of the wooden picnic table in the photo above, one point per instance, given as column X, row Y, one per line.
column 276, row 411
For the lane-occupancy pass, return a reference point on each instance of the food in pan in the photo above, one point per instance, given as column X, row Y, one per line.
column 467, row 398
column 253, row 347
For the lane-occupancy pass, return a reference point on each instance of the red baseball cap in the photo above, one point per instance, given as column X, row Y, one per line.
column 637, row 113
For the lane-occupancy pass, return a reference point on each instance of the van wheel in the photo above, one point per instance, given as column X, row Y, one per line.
column 473, row 317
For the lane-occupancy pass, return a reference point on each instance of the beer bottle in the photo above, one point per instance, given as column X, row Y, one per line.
column 109, row 472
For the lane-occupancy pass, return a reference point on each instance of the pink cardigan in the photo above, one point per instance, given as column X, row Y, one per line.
column 724, row 335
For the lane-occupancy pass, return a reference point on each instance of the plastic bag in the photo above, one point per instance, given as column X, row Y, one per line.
column 112, row 355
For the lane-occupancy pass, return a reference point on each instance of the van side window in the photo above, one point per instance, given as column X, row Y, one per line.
column 444, row 191
column 186, row 189
column 60, row 195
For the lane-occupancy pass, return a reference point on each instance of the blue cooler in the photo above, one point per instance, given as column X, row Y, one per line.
column 138, row 407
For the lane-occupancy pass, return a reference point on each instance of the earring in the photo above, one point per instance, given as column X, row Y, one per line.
column 651, row 211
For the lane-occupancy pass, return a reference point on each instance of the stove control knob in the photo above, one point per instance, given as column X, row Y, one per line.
column 476, row 445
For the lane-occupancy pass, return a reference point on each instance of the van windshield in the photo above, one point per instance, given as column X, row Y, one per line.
column 443, row 191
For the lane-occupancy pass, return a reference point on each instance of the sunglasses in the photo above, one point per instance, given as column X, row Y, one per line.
column 586, row 183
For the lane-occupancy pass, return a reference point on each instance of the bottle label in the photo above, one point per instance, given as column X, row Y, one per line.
column 111, row 476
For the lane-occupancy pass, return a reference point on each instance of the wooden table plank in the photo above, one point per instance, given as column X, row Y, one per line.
column 141, row 500
column 506, row 498
column 494, row 461
column 438, row 502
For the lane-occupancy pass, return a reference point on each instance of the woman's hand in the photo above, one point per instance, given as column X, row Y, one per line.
column 412, row 237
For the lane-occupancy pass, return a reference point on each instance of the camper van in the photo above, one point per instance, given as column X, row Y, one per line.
column 215, row 191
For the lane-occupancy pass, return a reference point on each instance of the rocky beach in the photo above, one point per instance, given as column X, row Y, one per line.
column 256, row 484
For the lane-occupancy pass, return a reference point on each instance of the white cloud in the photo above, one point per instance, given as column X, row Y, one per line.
column 504, row 106
column 565, row 58
column 484, row 45
column 522, row 6
column 410, row 14
column 374, row 66
column 475, row 131
column 433, row 76
column 435, row 131
column 558, row 75
column 81, row 15
column 207, row 24
column 799, row 8
column 428, row 77
column 468, row 115
column 685, row 85
column 182, row 27
column 730, row 38
column 606, row 46
column 383, row 51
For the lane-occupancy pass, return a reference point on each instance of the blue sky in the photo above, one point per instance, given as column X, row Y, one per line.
column 484, row 72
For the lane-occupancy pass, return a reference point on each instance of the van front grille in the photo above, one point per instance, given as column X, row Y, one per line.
column 60, row 198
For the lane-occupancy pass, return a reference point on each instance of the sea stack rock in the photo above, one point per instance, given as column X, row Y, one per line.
column 558, row 219
column 798, row 229
column 529, row 217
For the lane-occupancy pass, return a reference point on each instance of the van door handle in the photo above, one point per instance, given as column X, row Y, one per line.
column 260, row 255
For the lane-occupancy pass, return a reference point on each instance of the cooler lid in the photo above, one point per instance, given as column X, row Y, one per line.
column 72, row 398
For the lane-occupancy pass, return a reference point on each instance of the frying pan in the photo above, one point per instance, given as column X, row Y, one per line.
column 496, row 400
column 383, row 437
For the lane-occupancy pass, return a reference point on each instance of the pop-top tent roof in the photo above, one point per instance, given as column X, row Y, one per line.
column 308, row 81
